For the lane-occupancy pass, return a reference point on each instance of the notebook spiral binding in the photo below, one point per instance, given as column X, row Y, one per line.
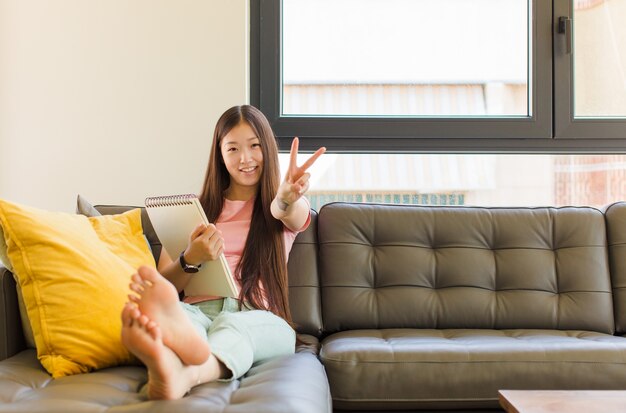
column 170, row 200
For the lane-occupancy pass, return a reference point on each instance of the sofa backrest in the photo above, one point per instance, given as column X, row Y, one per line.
column 393, row 266
column 616, row 236
column 304, row 286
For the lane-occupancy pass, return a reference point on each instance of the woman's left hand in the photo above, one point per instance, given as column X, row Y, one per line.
column 296, row 181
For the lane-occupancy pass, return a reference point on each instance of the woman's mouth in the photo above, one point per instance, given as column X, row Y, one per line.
column 248, row 170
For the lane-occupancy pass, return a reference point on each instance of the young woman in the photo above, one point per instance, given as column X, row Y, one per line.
column 256, row 219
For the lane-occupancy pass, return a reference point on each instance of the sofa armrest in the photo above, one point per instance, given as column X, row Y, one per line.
column 11, row 335
column 308, row 344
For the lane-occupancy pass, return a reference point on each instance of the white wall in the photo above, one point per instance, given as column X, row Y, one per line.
column 116, row 99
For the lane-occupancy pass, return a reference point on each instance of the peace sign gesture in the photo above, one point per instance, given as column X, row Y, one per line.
column 296, row 181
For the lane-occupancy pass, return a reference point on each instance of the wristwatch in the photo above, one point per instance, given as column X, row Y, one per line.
column 188, row 268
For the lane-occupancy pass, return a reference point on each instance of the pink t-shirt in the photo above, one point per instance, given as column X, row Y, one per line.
column 234, row 222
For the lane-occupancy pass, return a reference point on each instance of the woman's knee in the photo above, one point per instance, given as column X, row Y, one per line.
column 264, row 334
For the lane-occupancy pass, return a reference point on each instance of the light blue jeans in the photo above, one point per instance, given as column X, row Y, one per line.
column 241, row 339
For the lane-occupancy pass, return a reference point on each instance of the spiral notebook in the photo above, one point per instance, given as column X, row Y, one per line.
column 174, row 217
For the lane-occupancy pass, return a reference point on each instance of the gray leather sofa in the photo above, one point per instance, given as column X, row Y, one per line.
column 405, row 308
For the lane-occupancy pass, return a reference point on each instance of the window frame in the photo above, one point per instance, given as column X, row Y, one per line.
column 547, row 130
column 566, row 124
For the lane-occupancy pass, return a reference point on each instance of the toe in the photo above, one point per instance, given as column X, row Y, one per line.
column 155, row 331
column 149, row 274
column 136, row 288
column 127, row 317
column 143, row 320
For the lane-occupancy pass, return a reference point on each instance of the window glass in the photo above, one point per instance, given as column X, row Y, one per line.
column 486, row 180
column 406, row 58
column 599, row 58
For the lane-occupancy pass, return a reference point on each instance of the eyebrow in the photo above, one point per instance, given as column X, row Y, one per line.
column 249, row 139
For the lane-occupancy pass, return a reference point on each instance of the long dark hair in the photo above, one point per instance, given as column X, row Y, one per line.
column 263, row 268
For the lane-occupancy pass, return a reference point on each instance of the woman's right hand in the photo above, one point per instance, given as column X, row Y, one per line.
column 205, row 244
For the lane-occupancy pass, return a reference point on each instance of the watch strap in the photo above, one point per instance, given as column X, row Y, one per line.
column 188, row 268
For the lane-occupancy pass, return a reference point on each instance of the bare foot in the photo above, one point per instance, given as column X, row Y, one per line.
column 158, row 300
column 168, row 378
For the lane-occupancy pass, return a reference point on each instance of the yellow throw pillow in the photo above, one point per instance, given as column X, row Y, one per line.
column 73, row 272
column 26, row 330
column 4, row 258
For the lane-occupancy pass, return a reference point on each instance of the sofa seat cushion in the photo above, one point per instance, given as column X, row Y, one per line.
column 287, row 384
column 414, row 368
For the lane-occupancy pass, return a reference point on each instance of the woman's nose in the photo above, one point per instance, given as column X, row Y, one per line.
column 246, row 155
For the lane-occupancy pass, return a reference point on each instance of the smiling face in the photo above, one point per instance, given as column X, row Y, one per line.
column 243, row 158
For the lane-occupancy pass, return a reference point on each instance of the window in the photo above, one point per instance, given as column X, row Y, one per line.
column 483, row 76
column 467, row 179
column 448, row 102
column 590, row 69
column 343, row 58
